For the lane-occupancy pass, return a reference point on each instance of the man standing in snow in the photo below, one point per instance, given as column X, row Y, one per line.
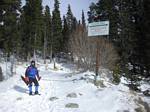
column 32, row 75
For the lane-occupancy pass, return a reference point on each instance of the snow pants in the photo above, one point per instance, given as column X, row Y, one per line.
column 33, row 80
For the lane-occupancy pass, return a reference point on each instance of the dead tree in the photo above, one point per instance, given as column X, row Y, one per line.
column 84, row 50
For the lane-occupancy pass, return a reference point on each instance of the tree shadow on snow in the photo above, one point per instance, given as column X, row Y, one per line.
column 20, row 89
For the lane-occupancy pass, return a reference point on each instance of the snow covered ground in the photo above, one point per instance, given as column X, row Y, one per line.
column 63, row 90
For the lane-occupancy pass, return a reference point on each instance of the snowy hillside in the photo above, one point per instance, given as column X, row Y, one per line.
column 66, row 90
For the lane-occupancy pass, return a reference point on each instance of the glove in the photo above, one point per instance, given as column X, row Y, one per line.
column 27, row 79
column 39, row 78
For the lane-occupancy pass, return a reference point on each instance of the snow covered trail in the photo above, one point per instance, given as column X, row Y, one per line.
column 14, row 95
column 61, row 91
column 15, row 98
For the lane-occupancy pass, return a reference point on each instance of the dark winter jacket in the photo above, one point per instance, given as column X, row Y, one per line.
column 31, row 72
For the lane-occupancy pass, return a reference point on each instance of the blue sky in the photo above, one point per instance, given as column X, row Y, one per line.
column 76, row 6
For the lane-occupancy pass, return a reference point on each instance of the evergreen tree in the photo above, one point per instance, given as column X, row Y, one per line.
column 38, row 23
column 57, row 28
column 70, row 19
column 129, row 39
column 26, row 30
column 92, row 12
column 1, row 24
column 71, row 24
column 10, row 16
column 65, row 33
column 75, row 24
column 48, row 30
column 32, row 22
column 145, row 37
column 83, row 19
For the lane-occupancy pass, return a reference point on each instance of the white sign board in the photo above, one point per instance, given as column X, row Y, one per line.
column 98, row 28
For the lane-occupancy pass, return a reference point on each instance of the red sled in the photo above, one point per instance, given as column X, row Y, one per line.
column 24, row 80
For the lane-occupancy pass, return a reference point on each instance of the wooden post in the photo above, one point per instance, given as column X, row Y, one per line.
column 97, row 59
column 96, row 28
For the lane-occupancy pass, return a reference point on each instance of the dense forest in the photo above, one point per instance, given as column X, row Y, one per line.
column 129, row 33
column 32, row 29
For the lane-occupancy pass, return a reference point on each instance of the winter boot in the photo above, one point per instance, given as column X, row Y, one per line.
column 30, row 93
column 36, row 92
column 36, row 89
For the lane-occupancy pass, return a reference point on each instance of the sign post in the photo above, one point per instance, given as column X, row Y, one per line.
column 98, row 29
column 97, row 58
